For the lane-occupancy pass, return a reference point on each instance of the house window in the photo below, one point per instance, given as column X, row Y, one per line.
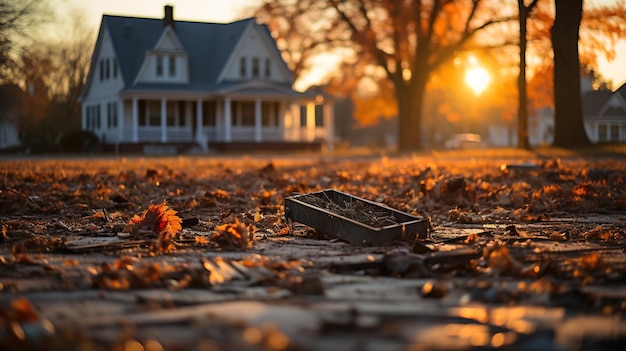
column 242, row 66
column 142, row 113
column 92, row 118
column 614, row 133
column 171, row 113
column 108, row 66
column 269, row 113
column 319, row 115
column 208, row 113
column 114, row 68
column 255, row 67
column 182, row 118
column 154, row 113
column 268, row 72
column 159, row 65
column 88, row 118
column 303, row 118
column 602, row 133
column 114, row 111
column 111, row 115
column 172, row 66
column 245, row 114
column 101, row 69
column 97, row 108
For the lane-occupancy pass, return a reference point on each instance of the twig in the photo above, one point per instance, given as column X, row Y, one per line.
column 25, row 197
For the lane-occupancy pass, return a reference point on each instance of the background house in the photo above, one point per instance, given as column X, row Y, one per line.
column 605, row 115
column 10, row 97
column 178, row 84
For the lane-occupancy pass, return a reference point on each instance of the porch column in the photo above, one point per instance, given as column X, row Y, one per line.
column 329, row 124
column 227, row 120
column 258, row 122
column 310, row 121
column 163, row 120
column 199, row 131
column 295, row 122
column 135, row 126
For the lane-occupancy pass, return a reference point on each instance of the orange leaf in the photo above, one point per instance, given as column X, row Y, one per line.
column 160, row 219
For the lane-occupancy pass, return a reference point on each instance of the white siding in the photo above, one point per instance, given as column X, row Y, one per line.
column 166, row 63
column 106, row 83
column 168, row 42
column 102, row 85
column 254, row 45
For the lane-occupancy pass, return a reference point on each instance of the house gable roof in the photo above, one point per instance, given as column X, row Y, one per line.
column 208, row 45
column 622, row 91
column 169, row 41
column 268, row 44
column 593, row 102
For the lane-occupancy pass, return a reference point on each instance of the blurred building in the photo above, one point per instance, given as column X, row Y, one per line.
column 10, row 97
column 604, row 116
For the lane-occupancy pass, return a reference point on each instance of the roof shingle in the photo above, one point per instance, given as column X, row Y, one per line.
column 132, row 37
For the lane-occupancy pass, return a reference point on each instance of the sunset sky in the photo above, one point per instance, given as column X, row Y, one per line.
column 229, row 10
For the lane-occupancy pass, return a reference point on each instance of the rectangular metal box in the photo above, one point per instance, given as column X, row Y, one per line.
column 306, row 209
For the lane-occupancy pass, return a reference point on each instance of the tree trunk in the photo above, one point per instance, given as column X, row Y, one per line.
column 410, row 105
column 569, row 130
column 522, row 104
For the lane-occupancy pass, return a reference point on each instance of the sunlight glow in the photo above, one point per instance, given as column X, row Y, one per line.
column 477, row 78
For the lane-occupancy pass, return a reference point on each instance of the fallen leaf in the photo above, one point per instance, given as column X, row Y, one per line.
column 234, row 235
column 158, row 219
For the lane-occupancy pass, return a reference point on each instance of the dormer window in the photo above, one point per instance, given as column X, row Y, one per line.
column 172, row 68
column 165, row 66
column 268, row 72
column 159, row 65
column 255, row 67
column 242, row 67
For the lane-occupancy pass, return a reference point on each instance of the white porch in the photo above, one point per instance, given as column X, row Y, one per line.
column 222, row 119
column 606, row 130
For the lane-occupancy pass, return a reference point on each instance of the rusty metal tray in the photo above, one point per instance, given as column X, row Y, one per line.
column 330, row 212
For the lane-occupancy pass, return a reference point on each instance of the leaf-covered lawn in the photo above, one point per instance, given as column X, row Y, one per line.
column 506, row 231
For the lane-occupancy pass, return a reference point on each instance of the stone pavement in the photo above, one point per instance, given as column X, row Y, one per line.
column 301, row 293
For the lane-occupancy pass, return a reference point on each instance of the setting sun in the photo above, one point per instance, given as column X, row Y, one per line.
column 477, row 78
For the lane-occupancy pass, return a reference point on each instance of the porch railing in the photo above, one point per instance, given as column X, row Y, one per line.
column 214, row 134
column 153, row 134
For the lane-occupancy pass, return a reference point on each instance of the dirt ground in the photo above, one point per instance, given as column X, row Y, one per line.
column 521, row 251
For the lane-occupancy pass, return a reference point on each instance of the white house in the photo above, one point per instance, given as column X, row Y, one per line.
column 605, row 115
column 179, row 83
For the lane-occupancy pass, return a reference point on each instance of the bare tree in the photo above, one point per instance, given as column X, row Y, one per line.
column 54, row 73
column 71, row 59
column 17, row 18
column 569, row 130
